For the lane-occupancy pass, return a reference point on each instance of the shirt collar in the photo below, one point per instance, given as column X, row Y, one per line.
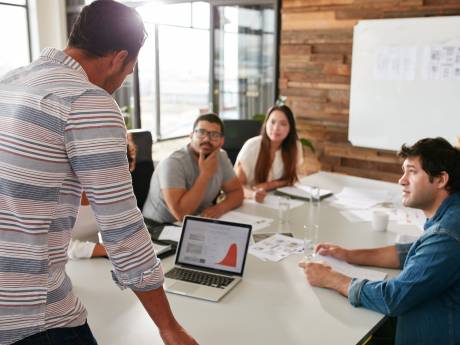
column 61, row 57
column 454, row 198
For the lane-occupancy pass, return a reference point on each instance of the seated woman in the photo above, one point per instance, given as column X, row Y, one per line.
column 270, row 160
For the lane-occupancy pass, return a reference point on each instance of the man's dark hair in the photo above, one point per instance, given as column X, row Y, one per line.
column 210, row 117
column 436, row 155
column 106, row 26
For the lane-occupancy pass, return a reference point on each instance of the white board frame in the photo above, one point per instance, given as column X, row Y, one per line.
column 389, row 109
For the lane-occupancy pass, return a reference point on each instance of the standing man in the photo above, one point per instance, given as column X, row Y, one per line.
column 190, row 179
column 425, row 296
column 62, row 133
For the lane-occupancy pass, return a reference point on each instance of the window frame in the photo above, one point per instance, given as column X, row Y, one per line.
column 26, row 6
column 137, row 123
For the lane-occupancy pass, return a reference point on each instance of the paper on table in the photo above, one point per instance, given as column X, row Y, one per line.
column 410, row 216
column 170, row 233
column 272, row 201
column 239, row 217
column 276, row 247
column 362, row 198
column 351, row 270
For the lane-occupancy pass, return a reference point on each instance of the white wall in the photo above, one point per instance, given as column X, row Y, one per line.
column 48, row 25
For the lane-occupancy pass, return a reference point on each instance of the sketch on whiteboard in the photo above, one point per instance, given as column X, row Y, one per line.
column 396, row 63
column 442, row 62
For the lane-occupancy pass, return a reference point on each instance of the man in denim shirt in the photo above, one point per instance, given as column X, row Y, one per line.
column 425, row 296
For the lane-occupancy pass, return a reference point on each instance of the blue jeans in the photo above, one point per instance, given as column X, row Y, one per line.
column 80, row 335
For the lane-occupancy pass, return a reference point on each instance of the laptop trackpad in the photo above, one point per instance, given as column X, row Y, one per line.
column 184, row 287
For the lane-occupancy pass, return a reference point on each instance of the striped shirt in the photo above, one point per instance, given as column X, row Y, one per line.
column 60, row 134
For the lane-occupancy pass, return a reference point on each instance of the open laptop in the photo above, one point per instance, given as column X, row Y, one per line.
column 210, row 258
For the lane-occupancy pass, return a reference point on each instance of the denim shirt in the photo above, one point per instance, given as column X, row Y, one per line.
column 425, row 296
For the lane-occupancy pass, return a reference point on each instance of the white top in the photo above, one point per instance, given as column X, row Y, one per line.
column 247, row 157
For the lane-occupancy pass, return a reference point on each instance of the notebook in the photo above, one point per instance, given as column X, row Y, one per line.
column 302, row 192
column 210, row 258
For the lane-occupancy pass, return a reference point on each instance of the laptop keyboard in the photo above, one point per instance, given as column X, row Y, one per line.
column 199, row 277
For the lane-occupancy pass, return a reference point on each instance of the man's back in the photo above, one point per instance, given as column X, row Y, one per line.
column 60, row 132
column 34, row 173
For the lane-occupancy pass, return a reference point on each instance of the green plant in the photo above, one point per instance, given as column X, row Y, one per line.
column 126, row 111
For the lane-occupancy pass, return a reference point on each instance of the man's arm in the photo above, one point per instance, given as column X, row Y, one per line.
column 157, row 306
column 322, row 275
column 387, row 257
column 98, row 158
column 182, row 202
column 233, row 198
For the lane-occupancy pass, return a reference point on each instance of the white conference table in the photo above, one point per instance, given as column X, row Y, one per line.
column 273, row 304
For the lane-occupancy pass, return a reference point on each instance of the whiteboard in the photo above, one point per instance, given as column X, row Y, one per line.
column 405, row 81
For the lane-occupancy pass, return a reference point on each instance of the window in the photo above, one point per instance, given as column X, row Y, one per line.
column 244, row 60
column 185, row 68
column 15, row 35
column 174, row 67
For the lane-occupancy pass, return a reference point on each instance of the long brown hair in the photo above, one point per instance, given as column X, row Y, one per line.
column 288, row 149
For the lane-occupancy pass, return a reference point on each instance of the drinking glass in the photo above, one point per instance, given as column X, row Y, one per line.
column 283, row 211
column 311, row 227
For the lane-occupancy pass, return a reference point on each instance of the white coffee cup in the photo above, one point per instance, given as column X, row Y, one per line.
column 380, row 220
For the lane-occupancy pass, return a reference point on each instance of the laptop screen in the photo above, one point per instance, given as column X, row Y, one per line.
column 213, row 244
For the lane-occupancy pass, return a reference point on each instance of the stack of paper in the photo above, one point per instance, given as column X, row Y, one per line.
column 276, row 248
column 170, row 233
column 362, row 198
column 351, row 270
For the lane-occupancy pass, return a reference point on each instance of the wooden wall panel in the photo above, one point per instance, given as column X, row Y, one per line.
column 315, row 70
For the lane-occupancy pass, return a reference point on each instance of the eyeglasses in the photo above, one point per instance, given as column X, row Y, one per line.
column 201, row 133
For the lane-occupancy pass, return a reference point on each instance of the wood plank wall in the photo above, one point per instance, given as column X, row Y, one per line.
column 315, row 69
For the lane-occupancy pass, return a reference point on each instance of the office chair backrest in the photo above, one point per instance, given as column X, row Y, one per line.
column 143, row 171
column 236, row 134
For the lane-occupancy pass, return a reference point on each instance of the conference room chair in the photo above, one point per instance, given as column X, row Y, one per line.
column 236, row 134
column 144, row 164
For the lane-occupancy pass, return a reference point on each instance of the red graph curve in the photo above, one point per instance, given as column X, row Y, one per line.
column 230, row 257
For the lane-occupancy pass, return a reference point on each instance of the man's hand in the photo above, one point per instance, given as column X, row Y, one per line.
column 157, row 306
column 177, row 336
column 328, row 249
column 209, row 165
column 214, row 211
column 322, row 275
column 259, row 195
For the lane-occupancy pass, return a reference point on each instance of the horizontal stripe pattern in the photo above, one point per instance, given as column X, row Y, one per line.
column 61, row 134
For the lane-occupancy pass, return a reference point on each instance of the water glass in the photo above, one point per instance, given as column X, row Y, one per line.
column 310, row 240
column 311, row 228
column 283, row 210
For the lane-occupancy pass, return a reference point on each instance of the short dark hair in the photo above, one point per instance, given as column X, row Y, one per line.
column 106, row 26
column 436, row 155
column 210, row 117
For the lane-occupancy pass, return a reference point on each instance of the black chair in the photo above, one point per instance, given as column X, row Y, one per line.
column 143, row 171
column 236, row 134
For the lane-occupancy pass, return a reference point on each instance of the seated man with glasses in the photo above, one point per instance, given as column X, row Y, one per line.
column 190, row 179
